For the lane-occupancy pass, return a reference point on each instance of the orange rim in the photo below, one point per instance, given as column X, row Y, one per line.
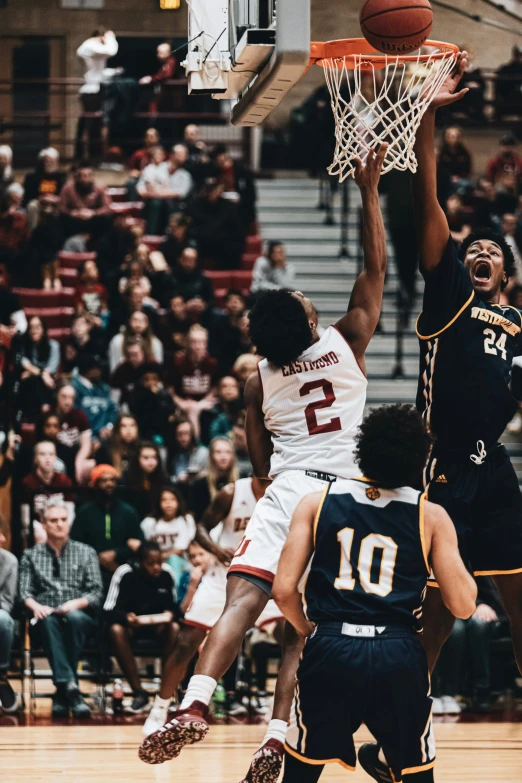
column 348, row 51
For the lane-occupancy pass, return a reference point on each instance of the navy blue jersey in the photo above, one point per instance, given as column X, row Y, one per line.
column 369, row 566
column 466, row 355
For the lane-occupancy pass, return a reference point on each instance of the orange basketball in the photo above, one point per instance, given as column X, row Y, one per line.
column 396, row 26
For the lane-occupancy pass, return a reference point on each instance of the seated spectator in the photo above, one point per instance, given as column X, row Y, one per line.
column 14, row 231
column 8, row 591
column 175, row 326
column 222, row 470
column 243, row 368
column 142, row 157
column 40, row 362
column 239, row 441
column 121, row 238
column 85, row 340
column 84, row 205
column 145, row 479
column 195, row 288
column 74, row 429
column 474, row 100
column 455, row 158
column 12, row 317
column 217, row 228
column 508, row 161
column 272, row 271
column 171, row 527
column 43, row 185
column 165, row 187
column 141, row 604
column 167, row 67
column 198, row 158
column 236, row 179
column 49, row 429
column 6, row 169
column 109, row 525
column 220, row 419
column 226, row 339
column 93, row 397
column 512, row 233
column 60, row 585
column 134, row 274
column 186, row 458
column 138, row 324
column 124, row 378
column 122, row 447
column 508, row 87
column 458, row 219
column 507, row 194
column 91, row 297
column 469, row 642
column 45, row 242
column 194, row 376
column 134, row 300
column 150, row 402
column 43, row 485
column 177, row 238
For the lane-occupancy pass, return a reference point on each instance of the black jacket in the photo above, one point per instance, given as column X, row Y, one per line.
column 133, row 590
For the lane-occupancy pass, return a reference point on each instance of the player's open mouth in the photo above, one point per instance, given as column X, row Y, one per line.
column 482, row 272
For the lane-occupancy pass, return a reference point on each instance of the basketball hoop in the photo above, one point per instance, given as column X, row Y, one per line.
column 379, row 98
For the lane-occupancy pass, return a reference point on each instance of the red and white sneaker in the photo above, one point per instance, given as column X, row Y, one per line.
column 266, row 763
column 186, row 727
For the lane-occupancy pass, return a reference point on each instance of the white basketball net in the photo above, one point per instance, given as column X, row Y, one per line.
column 373, row 105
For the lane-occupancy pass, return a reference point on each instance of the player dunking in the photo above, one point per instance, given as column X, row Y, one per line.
column 233, row 506
column 467, row 344
column 303, row 410
column 373, row 540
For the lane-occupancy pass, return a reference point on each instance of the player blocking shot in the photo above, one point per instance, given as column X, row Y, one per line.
column 233, row 506
column 467, row 343
column 373, row 541
column 303, row 409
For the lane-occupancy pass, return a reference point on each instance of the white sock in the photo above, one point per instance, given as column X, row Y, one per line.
column 276, row 730
column 159, row 702
column 200, row 688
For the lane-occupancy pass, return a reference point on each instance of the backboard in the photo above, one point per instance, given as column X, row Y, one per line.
column 250, row 50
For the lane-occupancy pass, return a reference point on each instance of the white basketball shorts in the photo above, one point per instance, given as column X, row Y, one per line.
column 209, row 601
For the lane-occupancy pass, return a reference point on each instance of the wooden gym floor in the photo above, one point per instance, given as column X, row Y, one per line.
column 467, row 753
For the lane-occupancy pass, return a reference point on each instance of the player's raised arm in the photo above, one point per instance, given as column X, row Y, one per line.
column 364, row 309
column 295, row 557
column 218, row 510
column 458, row 588
column 259, row 441
column 432, row 227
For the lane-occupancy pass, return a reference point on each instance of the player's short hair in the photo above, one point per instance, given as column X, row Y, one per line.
column 393, row 445
column 498, row 239
column 279, row 327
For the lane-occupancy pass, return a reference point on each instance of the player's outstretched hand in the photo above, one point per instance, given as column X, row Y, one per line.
column 448, row 91
column 367, row 174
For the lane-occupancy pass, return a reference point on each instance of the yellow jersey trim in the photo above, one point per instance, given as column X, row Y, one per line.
column 319, row 509
column 436, row 334
column 319, row 761
column 413, row 770
column 497, row 573
column 422, row 498
column 431, row 583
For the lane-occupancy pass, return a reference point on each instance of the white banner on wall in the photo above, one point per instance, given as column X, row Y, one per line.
column 89, row 4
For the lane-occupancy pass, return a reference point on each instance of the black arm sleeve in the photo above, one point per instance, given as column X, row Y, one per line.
column 447, row 288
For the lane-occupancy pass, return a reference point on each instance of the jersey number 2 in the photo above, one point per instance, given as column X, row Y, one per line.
column 314, row 428
column 387, row 545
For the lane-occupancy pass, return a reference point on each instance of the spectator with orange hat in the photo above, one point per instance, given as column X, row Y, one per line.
column 109, row 525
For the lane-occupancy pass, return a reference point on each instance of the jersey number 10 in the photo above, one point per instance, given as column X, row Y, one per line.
column 346, row 581
column 314, row 428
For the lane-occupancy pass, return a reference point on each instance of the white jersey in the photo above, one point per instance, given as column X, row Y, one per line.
column 313, row 408
column 242, row 508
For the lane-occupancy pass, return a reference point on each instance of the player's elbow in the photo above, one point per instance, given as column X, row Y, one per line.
column 463, row 609
column 463, row 604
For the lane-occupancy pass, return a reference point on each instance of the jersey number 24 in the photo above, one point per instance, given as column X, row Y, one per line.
column 314, row 428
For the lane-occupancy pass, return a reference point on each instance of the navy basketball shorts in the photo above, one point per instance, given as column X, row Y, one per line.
column 485, row 505
column 344, row 681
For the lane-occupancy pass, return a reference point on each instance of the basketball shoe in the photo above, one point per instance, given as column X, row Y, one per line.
column 369, row 760
column 266, row 763
column 187, row 727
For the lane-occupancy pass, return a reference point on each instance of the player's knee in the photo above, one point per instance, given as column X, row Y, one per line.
column 186, row 647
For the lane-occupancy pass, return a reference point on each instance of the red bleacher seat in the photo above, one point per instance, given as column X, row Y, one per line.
column 28, row 432
column 117, row 194
column 59, row 334
column 152, row 241
column 35, row 297
column 241, row 279
column 219, row 279
column 73, row 260
column 248, row 260
column 254, row 245
column 133, row 208
column 54, row 317
column 69, row 276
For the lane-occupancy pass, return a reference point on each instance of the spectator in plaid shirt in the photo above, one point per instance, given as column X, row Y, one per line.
column 60, row 584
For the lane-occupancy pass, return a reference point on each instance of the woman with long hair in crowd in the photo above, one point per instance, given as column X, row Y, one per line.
column 122, row 447
column 222, row 470
column 138, row 324
column 40, row 361
column 186, row 458
column 172, row 527
column 145, row 478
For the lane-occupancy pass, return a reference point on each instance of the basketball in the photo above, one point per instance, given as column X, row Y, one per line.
column 396, row 26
